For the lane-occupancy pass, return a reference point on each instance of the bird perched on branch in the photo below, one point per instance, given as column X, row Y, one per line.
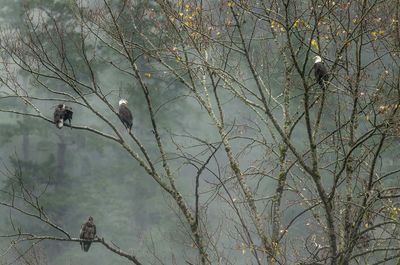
column 62, row 113
column 87, row 232
column 320, row 71
column 125, row 114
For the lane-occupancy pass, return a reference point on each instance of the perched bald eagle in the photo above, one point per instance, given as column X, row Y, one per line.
column 88, row 232
column 125, row 114
column 320, row 71
column 62, row 113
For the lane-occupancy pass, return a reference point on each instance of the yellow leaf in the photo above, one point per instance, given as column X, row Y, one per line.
column 231, row 3
column 148, row 75
column 314, row 44
column 296, row 23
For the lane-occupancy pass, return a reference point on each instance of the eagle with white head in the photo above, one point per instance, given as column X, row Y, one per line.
column 320, row 71
column 125, row 115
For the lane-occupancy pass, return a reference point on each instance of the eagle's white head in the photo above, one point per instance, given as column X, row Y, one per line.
column 122, row 102
column 317, row 59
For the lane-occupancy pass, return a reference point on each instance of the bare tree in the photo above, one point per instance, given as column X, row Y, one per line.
column 322, row 148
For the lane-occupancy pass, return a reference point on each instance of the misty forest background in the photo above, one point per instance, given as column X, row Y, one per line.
column 88, row 175
column 76, row 172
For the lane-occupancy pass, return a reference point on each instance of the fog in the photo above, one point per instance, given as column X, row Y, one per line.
column 237, row 154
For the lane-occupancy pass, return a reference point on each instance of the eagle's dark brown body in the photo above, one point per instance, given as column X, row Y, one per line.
column 87, row 232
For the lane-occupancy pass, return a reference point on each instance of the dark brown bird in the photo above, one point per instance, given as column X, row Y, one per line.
column 62, row 113
column 125, row 114
column 68, row 114
column 88, row 232
column 59, row 116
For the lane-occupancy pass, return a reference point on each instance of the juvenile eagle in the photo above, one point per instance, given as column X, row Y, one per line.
column 88, row 232
column 320, row 71
column 125, row 114
column 68, row 114
column 62, row 113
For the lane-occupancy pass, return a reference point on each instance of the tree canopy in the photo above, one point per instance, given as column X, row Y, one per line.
column 237, row 154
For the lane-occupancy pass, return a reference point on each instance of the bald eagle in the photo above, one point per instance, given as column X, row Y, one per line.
column 320, row 71
column 125, row 114
column 87, row 232
column 62, row 113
